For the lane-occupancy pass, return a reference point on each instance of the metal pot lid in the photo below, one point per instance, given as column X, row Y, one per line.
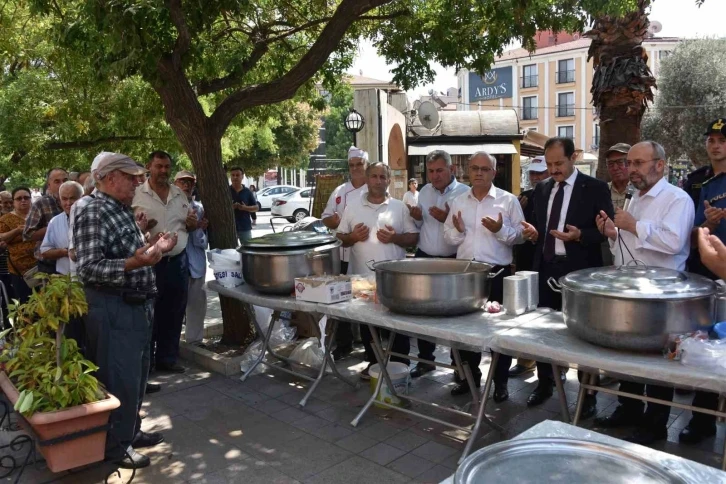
column 290, row 240
column 544, row 460
column 639, row 282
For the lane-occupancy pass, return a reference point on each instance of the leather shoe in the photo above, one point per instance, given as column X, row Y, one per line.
column 421, row 369
column 693, row 434
column 341, row 352
column 519, row 370
column 152, row 388
column 646, row 436
column 462, row 389
column 174, row 368
column 501, row 392
column 146, row 439
column 133, row 460
column 541, row 393
column 589, row 407
column 621, row 417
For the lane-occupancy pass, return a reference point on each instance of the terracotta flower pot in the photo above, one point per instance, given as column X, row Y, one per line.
column 49, row 425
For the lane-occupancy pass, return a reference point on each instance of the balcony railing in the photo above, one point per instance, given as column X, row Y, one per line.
column 529, row 81
column 529, row 113
column 564, row 110
column 565, row 76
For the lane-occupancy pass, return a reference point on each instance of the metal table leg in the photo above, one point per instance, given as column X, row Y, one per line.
column 327, row 359
column 265, row 341
column 581, row 394
column 381, row 358
column 561, row 394
column 469, row 378
column 480, row 416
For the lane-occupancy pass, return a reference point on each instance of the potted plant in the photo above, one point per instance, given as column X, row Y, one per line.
column 48, row 380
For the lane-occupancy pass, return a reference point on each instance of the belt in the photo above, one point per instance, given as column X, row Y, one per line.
column 171, row 257
column 123, row 291
column 558, row 259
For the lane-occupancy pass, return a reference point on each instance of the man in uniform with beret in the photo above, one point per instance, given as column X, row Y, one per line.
column 710, row 213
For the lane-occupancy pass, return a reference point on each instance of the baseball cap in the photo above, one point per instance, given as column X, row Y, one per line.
column 538, row 164
column 185, row 174
column 107, row 162
column 718, row 126
column 619, row 148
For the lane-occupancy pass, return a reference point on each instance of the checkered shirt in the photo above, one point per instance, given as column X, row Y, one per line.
column 105, row 235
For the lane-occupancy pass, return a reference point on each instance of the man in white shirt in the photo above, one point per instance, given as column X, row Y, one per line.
column 167, row 210
column 656, row 228
column 55, row 241
column 485, row 223
column 377, row 227
column 334, row 210
column 430, row 214
column 410, row 198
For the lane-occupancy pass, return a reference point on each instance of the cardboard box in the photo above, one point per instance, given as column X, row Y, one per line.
column 323, row 289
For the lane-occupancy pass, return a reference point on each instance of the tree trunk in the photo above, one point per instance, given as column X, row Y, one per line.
column 205, row 151
column 622, row 83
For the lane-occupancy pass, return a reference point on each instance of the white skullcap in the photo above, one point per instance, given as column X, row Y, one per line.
column 354, row 152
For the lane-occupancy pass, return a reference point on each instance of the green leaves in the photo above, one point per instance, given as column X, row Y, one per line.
column 48, row 376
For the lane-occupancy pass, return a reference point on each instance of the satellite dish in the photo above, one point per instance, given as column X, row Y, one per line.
column 655, row 27
column 428, row 115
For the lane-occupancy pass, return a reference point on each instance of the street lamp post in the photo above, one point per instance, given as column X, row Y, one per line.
column 354, row 122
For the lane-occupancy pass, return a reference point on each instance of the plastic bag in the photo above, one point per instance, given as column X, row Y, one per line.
column 250, row 356
column 709, row 355
column 282, row 334
column 308, row 353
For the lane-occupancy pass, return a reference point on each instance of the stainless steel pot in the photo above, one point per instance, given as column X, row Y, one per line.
column 271, row 263
column 720, row 302
column 432, row 287
column 634, row 307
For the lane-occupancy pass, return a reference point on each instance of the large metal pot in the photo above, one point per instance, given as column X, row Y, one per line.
column 432, row 287
column 271, row 263
column 720, row 301
column 634, row 307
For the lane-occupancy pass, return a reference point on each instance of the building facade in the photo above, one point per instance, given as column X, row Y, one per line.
column 549, row 88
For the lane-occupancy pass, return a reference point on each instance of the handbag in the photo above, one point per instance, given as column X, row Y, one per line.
column 29, row 275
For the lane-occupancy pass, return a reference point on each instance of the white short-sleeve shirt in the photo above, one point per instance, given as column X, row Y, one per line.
column 375, row 216
column 337, row 202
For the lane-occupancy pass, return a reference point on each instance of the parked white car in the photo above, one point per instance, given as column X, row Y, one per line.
column 267, row 196
column 295, row 206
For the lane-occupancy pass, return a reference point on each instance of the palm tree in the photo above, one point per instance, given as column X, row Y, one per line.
column 622, row 84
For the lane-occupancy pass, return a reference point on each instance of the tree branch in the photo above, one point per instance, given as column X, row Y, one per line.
column 234, row 77
column 389, row 16
column 80, row 144
column 285, row 87
column 183, row 39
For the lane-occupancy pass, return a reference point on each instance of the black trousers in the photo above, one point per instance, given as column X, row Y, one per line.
column 344, row 333
column 708, row 401
column 117, row 340
column 172, row 285
column 473, row 358
column 548, row 298
column 426, row 348
column 656, row 416
column 7, row 282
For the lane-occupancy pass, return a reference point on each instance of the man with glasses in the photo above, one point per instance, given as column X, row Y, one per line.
column 485, row 223
column 331, row 217
column 115, row 267
column 655, row 229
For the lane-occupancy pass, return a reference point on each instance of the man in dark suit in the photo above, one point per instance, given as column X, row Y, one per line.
column 566, row 236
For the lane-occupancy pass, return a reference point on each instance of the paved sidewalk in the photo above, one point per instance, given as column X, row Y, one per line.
column 219, row 430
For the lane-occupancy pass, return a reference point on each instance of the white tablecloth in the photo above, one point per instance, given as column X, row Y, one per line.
column 687, row 469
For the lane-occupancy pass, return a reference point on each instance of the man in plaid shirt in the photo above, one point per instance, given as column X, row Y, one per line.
column 115, row 264
column 44, row 209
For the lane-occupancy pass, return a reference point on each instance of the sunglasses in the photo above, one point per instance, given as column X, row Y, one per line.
column 20, row 199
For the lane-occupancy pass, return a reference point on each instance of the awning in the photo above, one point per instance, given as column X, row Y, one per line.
column 459, row 149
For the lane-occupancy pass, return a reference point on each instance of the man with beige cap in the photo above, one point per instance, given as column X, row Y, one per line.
column 115, row 266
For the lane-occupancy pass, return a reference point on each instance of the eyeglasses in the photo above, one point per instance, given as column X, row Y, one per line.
column 185, row 181
column 21, row 199
column 480, row 169
column 620, row 162
column 638, row 163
